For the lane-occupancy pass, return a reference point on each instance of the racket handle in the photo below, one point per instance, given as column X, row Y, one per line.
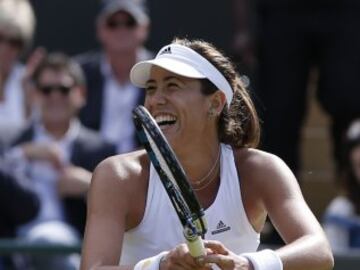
column 196, row 247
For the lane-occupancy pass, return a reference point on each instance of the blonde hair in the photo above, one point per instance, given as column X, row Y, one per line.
column 17, row 18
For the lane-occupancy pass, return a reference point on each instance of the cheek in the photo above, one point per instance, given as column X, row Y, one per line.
column 146, row 102
column 8, row 55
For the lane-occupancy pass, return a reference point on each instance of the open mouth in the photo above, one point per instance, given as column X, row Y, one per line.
column 165, row 120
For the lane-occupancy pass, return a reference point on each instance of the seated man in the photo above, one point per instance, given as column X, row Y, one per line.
column 57, row 154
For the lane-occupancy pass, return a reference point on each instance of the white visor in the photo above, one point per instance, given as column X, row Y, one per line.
column 185, row 62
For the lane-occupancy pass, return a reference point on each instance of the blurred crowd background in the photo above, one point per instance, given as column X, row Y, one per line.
column 66, row 102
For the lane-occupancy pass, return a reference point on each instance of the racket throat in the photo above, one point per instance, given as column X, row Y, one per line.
column 194, row 241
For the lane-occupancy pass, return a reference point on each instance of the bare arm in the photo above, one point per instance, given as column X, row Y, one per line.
column 106, row 218
column 306, row 245
column 269, row 186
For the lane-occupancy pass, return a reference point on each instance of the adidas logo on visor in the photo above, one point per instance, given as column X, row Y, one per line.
column 166, row 50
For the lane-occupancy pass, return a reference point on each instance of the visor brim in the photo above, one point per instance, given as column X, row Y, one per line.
column 140, row 73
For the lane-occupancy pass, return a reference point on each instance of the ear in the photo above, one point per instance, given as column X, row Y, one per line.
column 143, row 32
column 79, row 93
column 217, row 102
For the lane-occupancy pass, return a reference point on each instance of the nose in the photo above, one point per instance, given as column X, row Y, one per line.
column 155, row 99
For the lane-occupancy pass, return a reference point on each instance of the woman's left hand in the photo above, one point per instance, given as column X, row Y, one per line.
column 224, row 258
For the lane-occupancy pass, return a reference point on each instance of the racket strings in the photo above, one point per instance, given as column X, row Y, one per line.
column 171, row 174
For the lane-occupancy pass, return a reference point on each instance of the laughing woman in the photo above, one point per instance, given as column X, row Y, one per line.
column 213, row 128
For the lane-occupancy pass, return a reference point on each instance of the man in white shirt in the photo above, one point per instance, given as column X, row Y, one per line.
column 57, row 155
column 122, row 28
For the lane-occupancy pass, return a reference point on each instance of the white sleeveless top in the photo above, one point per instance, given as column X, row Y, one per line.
column 160, row 228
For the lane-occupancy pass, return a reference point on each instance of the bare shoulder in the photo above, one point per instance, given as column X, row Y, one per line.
column 121, row 175
column 258, row 161
column 122, row 168
column 264, row 171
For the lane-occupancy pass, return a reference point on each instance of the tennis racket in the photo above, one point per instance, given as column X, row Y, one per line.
column 174, row 180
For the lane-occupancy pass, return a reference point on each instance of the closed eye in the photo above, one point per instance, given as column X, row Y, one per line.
column 173, row 85
column 150, row 89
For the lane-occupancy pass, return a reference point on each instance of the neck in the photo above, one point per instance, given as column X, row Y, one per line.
column 57, row 130
column 202, row 165
column 121, row 64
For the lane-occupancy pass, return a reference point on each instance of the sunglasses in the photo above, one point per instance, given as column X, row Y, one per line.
column 47, row 90
column 113, row 24
column 12, row 41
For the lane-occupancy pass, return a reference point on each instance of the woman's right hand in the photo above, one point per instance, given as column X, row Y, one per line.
column 224, row 258
column 179, row 258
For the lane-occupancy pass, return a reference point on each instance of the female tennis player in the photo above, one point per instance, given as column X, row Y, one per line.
column 197, row 99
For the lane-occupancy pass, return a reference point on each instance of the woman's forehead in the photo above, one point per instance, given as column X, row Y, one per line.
column 159, row 73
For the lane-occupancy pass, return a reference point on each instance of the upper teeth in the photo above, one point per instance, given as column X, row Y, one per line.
column 164, row 118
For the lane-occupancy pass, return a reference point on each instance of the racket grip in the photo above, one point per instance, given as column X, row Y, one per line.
column 196, row 247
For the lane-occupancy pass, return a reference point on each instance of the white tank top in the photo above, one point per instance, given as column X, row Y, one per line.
column 160, row 228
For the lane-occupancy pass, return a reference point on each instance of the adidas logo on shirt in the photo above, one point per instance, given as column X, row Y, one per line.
column 221, row 227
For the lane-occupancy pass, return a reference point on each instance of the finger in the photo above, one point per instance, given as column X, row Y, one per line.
column 216, row 247
column 221, row 260
column 182, row 258
column 182, row 265
column 34, row 60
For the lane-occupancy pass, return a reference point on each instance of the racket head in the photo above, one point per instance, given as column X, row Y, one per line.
column 169, row 169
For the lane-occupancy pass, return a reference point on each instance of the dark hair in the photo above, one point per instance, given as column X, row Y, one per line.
column 60, row 62
column 239, row 124
column 349, row 181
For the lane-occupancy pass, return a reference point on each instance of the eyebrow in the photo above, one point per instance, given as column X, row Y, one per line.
column 167, row 78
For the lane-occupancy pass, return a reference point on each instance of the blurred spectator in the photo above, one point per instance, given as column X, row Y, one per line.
column 17, row 23
column 342, row 217
column 57, row 154
column 122, row 28
column 294, row 36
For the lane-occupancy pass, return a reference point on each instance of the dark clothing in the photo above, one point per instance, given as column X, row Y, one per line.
column 307, row 4
column 7, row 134
column 87, row 151
column 18, row 204
column 291, row 41
column 90, row 115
